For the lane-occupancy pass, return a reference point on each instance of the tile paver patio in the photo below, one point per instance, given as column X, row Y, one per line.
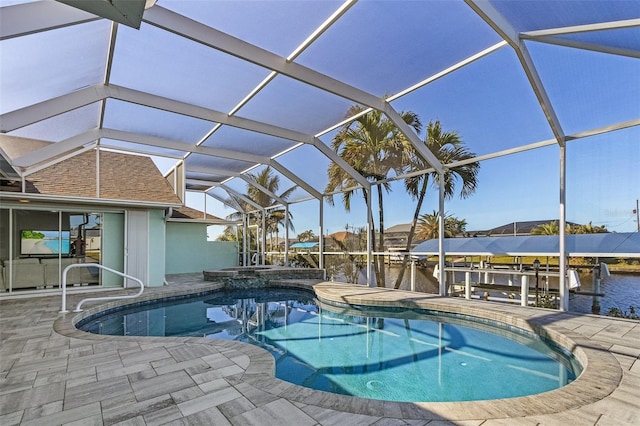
column 52, row 373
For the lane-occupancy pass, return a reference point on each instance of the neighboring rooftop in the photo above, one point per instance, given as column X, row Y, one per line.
column 518, row 228
column 188, row 213
column 341, row 236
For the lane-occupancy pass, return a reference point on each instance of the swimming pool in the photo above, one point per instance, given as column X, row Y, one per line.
column 389, row 354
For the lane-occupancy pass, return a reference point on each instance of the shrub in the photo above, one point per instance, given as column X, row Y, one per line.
column 546, row 301
column 619, row 313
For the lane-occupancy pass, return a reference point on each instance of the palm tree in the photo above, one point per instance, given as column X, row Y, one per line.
column 553, row 228
column 589, row 229
column 374, row 147
column 448, row 148
column 455, row 226
column 428, row 226
column 307, row 235
column 550, row 228
column 229, row 234
column 274, row 217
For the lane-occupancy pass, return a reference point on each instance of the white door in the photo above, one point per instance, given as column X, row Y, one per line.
column 137, row 254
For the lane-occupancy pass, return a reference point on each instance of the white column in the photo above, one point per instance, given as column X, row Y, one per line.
column 524, row 290
column 321, row 236
column 286, row 233
column 370, row 229
column 263, row 238
column 413, row 275
column 9, row 282
column 97, row 171
column 443, row 275
column 562, row 281
column 245, row 230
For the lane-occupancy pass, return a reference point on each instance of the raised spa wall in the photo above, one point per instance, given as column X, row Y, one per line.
column 260, row 276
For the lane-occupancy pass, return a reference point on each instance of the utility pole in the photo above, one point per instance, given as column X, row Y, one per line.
column 637, row 212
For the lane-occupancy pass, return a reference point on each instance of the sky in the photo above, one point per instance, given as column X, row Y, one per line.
column 381, row 47
column 491, row 105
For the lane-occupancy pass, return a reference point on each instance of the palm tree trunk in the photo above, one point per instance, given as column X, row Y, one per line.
column 412, row 231
column 380, row 272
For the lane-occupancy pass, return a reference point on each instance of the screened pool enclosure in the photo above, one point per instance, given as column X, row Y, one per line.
column 544, row 94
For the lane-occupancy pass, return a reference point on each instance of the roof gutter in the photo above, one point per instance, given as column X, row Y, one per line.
column 27, row 198
column 205, row 221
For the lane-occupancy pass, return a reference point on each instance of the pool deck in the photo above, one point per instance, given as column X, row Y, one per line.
column 52, row 373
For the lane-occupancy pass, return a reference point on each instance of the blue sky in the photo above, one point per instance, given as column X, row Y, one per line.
column 491, row 105
column 381, row 47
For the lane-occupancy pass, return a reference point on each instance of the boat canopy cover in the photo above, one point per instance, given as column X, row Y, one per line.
column 625, row 244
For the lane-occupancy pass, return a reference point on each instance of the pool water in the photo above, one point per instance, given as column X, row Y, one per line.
column 398, row 357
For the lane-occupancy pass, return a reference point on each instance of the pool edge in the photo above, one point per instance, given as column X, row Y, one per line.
column 600, row 377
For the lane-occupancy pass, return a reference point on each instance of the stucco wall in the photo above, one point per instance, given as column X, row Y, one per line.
column 156, row 248
column 187, row 249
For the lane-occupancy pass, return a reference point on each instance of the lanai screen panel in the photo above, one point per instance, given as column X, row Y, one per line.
column 471, row 101
column 537, row 15
column 273, row 176
column 204, row 178
column 309, row 165
column 289, row 103
column 575, row 82
column 159, row 62
column 379, row 47
column 625, row 38
column 277, row 26
column 383, row 49
column 202, row 161
column 130, row 117
column 144, row 149
column 7, row 3
column 63, row 126
column 45, row 65
column 233, row 138
column 606, row 201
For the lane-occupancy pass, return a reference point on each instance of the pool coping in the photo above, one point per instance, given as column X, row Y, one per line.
column 601, row 374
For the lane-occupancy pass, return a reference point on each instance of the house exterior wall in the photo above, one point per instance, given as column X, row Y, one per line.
column 187, row 249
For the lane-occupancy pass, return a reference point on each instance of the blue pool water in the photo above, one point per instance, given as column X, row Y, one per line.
column 397, row 357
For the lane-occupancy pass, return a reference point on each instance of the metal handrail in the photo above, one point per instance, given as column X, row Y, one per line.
column 94, row 265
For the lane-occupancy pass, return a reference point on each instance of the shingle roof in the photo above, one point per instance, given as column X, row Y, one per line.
column 402, row 227
column 122, row 177
column 185, row 212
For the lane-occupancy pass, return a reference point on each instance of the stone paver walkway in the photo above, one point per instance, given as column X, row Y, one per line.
column 51, row 373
